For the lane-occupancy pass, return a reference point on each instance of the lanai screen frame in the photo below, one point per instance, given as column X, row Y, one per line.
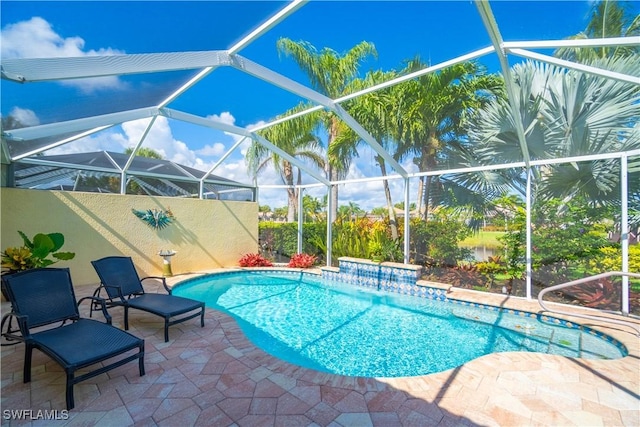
column 31, row 70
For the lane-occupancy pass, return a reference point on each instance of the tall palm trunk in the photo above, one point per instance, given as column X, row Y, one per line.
column 332, row 171
column 427, row 189
column 298, row 194
column 428, row 163
column 393, row 221
column 425, row 182
column 291, row 192
column 420, row 196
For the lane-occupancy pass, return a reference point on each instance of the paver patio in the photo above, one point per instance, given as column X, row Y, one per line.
column 214, row 376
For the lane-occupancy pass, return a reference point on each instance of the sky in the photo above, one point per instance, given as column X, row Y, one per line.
column 433, row 30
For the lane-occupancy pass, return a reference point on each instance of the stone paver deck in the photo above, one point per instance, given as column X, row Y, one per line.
column 213, row 376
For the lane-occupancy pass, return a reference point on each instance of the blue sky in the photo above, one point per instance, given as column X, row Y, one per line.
column 435, row 30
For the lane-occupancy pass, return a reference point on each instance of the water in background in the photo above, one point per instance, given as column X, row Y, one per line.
column 482, row 253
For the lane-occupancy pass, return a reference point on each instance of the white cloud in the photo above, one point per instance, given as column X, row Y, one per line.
column 226, row 118
column 25, row 116
column 36, row 38
column 161, row 139
column 215, row 149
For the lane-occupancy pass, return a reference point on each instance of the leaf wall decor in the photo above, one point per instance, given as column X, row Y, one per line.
column 155, row 218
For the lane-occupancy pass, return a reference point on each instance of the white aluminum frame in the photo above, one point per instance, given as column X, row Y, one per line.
column 28, row 70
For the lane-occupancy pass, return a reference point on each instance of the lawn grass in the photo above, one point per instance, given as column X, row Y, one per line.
column 488, row 239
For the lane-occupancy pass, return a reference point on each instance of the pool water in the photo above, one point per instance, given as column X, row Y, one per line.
column 346, row 330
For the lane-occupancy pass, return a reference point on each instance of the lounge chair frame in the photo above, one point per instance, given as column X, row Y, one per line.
column 123, row 287
column 42, row 298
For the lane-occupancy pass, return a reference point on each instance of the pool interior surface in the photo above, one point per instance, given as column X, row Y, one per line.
column 347, row 330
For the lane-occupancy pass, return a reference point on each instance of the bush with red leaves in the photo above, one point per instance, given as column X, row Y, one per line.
column 302, row 261
column 254, row 260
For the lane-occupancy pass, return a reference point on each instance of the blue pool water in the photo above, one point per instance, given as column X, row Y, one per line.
column 347, row 330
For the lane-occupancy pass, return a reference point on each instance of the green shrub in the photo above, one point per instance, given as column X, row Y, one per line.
column 566, row 237
column 282, row 238
column 610, row 259
column 435, row 243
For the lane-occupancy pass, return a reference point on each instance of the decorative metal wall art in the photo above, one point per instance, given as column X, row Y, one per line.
column 155, row 218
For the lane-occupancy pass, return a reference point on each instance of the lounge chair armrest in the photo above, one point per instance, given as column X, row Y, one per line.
column 22, row 324
column 162, row 279
column 101, row 301
column 117, row 288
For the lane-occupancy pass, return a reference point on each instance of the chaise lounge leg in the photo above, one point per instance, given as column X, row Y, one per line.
column 141, row 359
column 202, row 318
column 26, row 372
column 126, row 318
column 166, row 329
column 69, row 391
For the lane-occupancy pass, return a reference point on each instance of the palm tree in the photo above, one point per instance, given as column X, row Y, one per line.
column 608, row 19
column 312, row 207
column 144, row 152
column 350, row 211
column 374, row 111
column 567, row 113
column 330, row 74
column 294, row 137
column 431, row 113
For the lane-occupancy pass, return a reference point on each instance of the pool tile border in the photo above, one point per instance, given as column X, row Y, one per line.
column 423, row 290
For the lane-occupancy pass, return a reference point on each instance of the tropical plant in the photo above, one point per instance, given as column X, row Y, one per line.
column 329, row 73
column 567, row 237
column 282, row 238
column 430, row 128
column 281, row 212
column 374, row 111
column 295, row 138
column 36, row 252
column 312, row 208
column 603, row 294
column 608, row 19
column 610, row 259
column 435, row 243
column 350, row 238
column 147, row 152
column 302, row 260
column 380, row 211
column 566, row 114
column 350, row 210
column 461, row 276
column 493, row 266
column 254, row 260
column 383, row 247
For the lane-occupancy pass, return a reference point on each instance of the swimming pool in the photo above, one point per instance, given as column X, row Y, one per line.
column 347, row 330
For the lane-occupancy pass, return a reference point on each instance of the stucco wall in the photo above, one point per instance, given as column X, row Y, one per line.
column 205, row 234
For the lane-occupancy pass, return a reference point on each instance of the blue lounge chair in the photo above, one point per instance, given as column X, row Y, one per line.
column 123, row 286
column 44, row 305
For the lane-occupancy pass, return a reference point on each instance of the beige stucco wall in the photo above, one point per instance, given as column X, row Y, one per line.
column 205, row 234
